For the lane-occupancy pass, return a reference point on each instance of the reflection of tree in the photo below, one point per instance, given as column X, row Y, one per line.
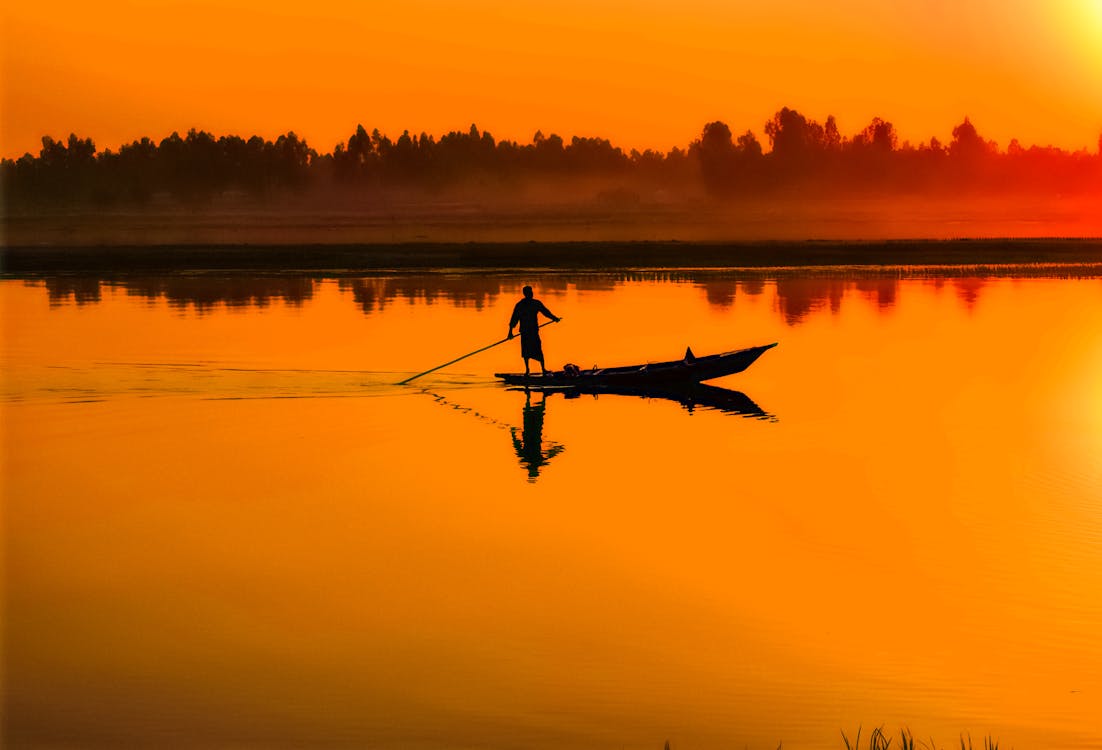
column 881, row 291
column 600, row 283
column 202, row 292
column 529, row 446
column 83, row 291
column 752, row 287
column 368, row 294
column 719, row 293
column 461, row 290
column 796, row 298
column 968, row 290
column 374, row 293
column 206, row 292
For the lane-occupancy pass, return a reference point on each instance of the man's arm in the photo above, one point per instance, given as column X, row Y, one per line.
column 515, row 319
column 543, row 309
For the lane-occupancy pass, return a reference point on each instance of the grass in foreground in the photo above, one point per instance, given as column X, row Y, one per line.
column 879, row 740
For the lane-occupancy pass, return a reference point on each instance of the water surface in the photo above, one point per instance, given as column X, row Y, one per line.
column 225, row 526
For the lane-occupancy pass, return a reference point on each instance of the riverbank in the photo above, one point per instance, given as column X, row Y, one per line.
column 29, row 259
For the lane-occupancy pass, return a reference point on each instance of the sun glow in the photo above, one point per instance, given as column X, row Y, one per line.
column 1085, row 24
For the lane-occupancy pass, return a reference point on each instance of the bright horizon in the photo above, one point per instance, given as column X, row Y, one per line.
column 640, row 74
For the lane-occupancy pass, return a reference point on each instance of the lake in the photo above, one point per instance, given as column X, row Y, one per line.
column 225, row 526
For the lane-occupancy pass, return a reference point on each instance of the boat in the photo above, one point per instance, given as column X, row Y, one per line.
column 687, row 370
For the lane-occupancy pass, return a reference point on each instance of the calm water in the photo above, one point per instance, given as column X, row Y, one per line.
column 224, row 527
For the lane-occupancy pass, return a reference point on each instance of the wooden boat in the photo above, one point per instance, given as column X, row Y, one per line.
column 689, row 369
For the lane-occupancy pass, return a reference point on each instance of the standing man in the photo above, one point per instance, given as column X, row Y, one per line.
column 526, row 313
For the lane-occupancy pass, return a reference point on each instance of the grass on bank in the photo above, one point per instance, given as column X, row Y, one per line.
column 879, row 740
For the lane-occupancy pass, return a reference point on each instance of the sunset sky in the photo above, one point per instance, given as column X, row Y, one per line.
column 644, row 74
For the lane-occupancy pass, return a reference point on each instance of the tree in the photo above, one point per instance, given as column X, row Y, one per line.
column 967, row 143
column 290, row 160
column 800, row 147
column 748, row 147
column 794, row 138
column 715, row 151
column 878, row 136
column 548, row 153
column 134, row 169
column 725, row 165
column 63, row 171
column 832, row 139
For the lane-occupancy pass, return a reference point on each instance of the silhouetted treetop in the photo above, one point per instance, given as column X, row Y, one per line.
column 968, row 144
column 878, row 136
column 795, row 138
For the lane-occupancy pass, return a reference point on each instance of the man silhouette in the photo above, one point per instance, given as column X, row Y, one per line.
column 526, row 313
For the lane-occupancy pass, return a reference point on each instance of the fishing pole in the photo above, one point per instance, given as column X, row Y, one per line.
column 471, row 354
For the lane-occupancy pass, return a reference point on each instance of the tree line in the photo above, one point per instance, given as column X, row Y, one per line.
column 804, row 157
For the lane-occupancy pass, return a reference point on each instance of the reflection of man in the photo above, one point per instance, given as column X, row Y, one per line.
column 526, row 313
column 529, row 446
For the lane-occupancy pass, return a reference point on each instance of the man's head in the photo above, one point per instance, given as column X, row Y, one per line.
column 527, row 292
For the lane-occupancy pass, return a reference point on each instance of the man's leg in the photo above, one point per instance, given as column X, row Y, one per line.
column 526, row 372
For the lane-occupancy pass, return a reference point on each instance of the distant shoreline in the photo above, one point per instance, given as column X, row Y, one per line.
column 565, row 256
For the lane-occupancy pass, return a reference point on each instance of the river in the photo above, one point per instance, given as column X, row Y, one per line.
column 225, row 526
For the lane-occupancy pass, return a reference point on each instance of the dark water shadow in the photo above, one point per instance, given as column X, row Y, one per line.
column 534, row 453
column 528, row 443
column 690, row 397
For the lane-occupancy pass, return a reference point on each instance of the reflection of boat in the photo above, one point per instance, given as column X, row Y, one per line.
column 690, row 396
column 690, row 369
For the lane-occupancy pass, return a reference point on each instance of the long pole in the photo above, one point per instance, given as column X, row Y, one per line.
column 470, row 354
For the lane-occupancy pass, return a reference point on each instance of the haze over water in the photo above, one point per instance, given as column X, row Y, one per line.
column 224, row 526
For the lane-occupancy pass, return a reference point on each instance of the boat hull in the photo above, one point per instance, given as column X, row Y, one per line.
column 675, row 372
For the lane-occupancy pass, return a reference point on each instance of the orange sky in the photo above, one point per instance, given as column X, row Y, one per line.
column 642, row 73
